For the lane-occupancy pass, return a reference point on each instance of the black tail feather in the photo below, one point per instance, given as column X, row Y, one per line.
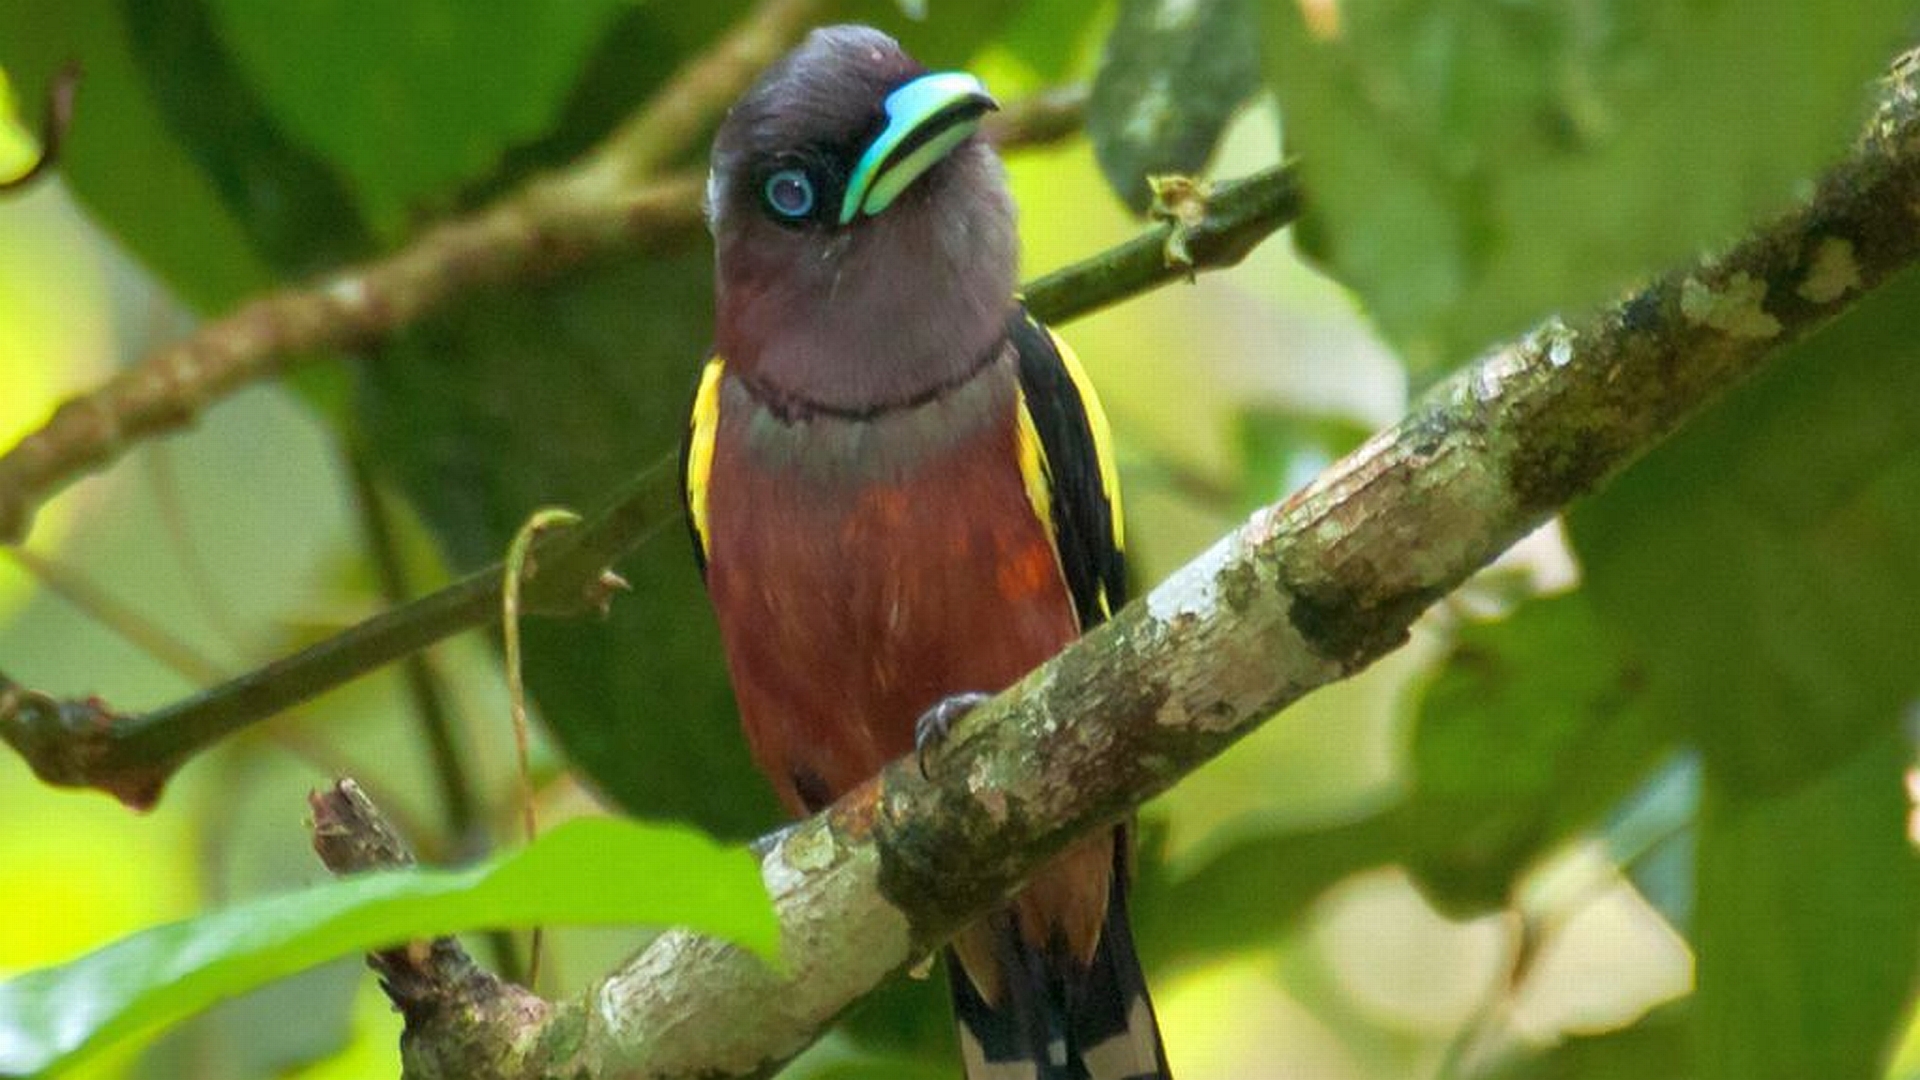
column 1059, row 1020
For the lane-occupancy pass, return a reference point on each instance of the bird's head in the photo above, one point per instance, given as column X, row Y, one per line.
column 864, row 240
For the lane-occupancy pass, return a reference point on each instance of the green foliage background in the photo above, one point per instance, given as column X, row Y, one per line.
column 1656, row 761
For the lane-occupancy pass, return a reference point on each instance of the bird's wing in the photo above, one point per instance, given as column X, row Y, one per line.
column 1065, row 443
column 696, row 455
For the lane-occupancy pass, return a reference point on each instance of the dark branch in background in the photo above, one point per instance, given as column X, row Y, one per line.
column 426, row 692
column 131, row 755
column 53, row 126
column 608, row 204
column 1305, row 593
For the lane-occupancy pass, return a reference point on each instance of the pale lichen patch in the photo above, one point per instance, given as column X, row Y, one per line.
column 1194, row 590
column 1738, row 308
column 987, row 792
column 1834, row 272
column 1175, row 14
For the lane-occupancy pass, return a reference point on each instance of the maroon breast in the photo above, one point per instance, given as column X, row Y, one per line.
column 864, row 569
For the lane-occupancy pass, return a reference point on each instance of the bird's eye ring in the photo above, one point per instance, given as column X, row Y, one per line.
column 789, row 194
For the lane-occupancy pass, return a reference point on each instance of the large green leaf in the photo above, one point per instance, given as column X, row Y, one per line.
column 1531, row 729
column 293, row 204
column 1657, row 1046
column 409, row 100
column 1809, row 907
column 593, row 870
column 1766, row 564
column 1475, row 166
column 121, row 157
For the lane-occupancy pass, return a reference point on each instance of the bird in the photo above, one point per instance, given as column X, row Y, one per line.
column 902, row 497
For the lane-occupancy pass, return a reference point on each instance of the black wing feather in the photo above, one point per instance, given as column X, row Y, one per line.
column 1083, row 521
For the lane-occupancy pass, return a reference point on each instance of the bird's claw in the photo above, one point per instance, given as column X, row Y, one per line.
column 933, row 726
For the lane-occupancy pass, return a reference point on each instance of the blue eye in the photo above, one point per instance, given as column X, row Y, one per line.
column 790, row 193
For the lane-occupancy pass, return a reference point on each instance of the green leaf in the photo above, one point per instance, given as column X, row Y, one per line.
column 1766, row 561
column 1473, row 167
column 1050, row 37
column 949, row 35
column 409, row 100
column 300, row 216
column 594, row 870
column 1532, row 728
column 1766, row 564
column 1655, row 1046
column 1171, row 78
column 1806, row 922
column 121, row 159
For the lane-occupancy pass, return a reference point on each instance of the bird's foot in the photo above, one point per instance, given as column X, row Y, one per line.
column 933, row 726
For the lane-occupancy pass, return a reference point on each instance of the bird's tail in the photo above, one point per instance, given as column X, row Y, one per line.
column 1055, row 1018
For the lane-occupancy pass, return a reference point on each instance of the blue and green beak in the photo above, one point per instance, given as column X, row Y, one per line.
column 926, row 119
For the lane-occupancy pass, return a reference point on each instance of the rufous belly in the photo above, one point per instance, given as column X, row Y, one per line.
column 863, row 569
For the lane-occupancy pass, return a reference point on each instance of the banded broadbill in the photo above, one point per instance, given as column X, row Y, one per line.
column 901, row 490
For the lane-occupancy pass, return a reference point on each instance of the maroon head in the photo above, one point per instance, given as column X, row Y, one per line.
column 865, row 253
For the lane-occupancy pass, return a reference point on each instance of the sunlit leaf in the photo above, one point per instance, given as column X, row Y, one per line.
column 594, row 870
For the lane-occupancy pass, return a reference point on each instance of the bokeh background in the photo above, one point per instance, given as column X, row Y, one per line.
column 1480, row 858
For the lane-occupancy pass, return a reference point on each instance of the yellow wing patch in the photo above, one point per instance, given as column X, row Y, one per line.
column 1034, row 471
column 702, row 426
column 1102, row 437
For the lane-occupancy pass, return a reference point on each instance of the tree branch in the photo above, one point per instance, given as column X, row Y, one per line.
column 1304, row 593
column 131, row 756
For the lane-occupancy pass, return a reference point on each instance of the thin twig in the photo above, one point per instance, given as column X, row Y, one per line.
column 121, row 618
column 519, row 563
column 466, row 828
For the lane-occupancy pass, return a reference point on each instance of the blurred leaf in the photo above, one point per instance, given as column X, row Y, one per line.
column 950, row 34
column 251, row 846
column 1473, row 167
column 1049, row 36
column 1172, row 76
column 122, row 159
column 408, row 100
column 1281, row 450
column 1651, row 836
column 1807, row 918
column 1766, row 563
column 589, row 870
column 1532, row 728
column 1657, row 1046
column 295, row 208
